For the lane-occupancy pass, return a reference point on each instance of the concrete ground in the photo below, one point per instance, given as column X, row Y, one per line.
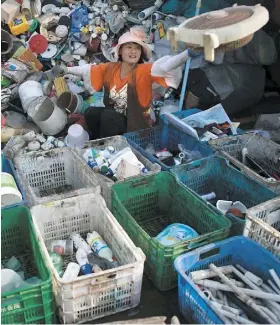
column 153, row 303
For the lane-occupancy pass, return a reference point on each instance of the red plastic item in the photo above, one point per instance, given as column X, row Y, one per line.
column 38, row 44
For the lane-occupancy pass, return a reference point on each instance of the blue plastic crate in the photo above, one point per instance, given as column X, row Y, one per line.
column 166, row 136
column 8, row 167
column 214, row 174
column 236, row 250
column 187, row 112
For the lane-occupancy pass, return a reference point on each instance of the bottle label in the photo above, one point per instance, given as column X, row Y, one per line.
column 97, row 244
column 58, row 249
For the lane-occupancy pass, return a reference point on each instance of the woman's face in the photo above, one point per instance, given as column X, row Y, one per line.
column 131, row 53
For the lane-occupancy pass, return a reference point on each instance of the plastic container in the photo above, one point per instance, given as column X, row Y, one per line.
column 175, row 233
column 193, row 303
column 146, row 205
column 263, row 225
column 33, row 304
column 165, row 137
column 55, row 174
column 264, row 151
column 118, row 142
column 94, row 295
column 76, row 137
column 61, row 247
column 47, row 115
column 9, row 192
column 8, row 167
column 99, row 246
column 18, row 25
column 215, row 174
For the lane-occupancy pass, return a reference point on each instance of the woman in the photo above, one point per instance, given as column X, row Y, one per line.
column 127, row 85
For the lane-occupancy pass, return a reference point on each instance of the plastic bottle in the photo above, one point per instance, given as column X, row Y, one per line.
column 79, row 242
column 128, row 155
column 61, row 247
column 57, row 261
column 99, row 246
column 71, row 272
column 81, row 257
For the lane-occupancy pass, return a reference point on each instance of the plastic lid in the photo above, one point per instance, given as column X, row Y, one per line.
column 38, row 44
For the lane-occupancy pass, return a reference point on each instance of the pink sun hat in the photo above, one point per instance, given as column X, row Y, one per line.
column 135, row 35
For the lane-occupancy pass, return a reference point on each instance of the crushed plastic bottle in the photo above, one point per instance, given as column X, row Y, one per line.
column 99, row 246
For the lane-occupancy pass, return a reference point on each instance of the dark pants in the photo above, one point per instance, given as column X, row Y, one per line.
column 104, row 122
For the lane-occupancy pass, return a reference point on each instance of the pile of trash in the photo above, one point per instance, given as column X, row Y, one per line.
column 92, row 255
column 40, row 38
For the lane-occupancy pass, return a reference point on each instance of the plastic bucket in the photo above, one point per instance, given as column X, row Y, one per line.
column 6, row 42
column 9, row 191
column 29, row 91
column 49, row 117
column 70, row 102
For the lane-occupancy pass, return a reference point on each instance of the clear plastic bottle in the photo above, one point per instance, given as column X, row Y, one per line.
column 57, row 261
column 99, row 246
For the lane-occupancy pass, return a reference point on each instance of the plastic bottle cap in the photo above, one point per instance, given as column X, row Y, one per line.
column 103, row 169
column 104, row 37
column 38, row 44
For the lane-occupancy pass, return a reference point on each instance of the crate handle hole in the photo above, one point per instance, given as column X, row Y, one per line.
column 140, row 184
column 209, row 253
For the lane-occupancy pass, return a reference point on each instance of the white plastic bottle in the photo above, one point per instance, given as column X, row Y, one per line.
column 99, row 246
column 79, row 242
column 71, row 272
column 81, row 257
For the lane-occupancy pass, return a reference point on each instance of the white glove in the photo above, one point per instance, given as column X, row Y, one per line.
column 170, row 68
column 84, row 72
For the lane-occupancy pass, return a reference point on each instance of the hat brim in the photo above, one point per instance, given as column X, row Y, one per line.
column 131, row 39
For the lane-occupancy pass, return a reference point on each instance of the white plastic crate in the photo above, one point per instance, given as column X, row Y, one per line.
column 55, row 174
column 263, row 225
column 95, row 295
column 265, row 153
column 118, row 142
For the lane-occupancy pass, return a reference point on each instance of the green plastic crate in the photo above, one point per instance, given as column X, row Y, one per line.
column 33, row 304
column 145, row 206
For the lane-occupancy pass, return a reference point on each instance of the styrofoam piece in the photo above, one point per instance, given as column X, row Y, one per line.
column 55, row 174
column 96, row 295
column 222, row 28
column 224, row 206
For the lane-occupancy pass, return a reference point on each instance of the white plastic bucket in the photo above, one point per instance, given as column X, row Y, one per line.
column 9, row 191
column 29, row 91
column 48, row 116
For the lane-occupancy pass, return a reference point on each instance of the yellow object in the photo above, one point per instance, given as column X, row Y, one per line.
column 19, row 25
column 60, row 86
column 161, row 30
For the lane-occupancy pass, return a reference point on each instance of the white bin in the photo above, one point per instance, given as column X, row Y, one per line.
column 55, row 174
column 263, row 225
column 95, row 295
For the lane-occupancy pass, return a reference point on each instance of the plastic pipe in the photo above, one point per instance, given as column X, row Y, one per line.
column 227, row 308
column 275, row 277
column 217, row 285
column 254, row 286
column 241, row 294
column 269, row 313
column 147, row 13
column 184, row 85
column 222, row 312
column 205, row 274
column 251, row 276
column 273, row 286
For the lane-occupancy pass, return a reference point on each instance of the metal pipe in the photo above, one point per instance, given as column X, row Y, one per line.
column 241, row 294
